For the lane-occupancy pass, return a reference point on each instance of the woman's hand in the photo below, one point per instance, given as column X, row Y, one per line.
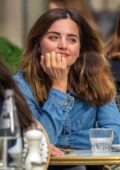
column 55, row 151
column 55, row 66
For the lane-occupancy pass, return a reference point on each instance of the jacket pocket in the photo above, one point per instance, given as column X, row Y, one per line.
column 86, row 120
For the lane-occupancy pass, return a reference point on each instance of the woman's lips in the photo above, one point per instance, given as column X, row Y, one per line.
column 63, row 54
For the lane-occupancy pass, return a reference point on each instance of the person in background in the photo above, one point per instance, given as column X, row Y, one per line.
column 105, row 13
column 103, row 21
column 81, row 6
column 113, row 54
column 24, row 113
column 66, row 79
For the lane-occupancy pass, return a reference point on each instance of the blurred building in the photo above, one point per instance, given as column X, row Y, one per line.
column 17, row 16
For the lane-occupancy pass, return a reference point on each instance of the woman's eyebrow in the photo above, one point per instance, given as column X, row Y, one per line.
column 52, row 32
column 73, row 35
column 69, row 35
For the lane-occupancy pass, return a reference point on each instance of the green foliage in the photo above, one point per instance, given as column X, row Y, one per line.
column 11, row 53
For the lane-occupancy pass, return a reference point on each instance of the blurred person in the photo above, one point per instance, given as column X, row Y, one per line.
column 81, row 6
column 105, row 13
column 24, row 114
column 102, row 21
column 66, row 79
column 106, row 21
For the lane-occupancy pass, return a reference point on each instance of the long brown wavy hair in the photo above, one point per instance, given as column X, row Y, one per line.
column 113, row 45
column 89, row 77
column 6, row 82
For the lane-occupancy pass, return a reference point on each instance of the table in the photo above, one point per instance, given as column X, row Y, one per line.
column 86, row 157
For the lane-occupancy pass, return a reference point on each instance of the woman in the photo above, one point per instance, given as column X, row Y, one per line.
column 24, row 114
column 66, row 79
column 63, row 68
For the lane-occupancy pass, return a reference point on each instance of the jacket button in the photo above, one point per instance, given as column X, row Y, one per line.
column 65, row 104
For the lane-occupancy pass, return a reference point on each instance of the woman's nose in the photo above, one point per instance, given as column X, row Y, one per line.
column 62, row 44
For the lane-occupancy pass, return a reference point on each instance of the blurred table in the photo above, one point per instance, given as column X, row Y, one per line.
column 86, row 157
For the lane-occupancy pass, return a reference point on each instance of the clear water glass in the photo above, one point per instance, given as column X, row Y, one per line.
column 101, row 140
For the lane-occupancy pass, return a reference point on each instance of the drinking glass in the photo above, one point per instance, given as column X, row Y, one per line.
column 101, row 140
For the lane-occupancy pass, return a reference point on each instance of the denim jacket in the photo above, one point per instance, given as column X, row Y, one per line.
column 67, row 119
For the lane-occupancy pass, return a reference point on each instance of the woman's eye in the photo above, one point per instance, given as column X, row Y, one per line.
column 72, row 40
column 53, row 37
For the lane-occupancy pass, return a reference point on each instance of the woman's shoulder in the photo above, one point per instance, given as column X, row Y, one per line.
column 19, row 78
column 18, row 75
column 22, row 84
